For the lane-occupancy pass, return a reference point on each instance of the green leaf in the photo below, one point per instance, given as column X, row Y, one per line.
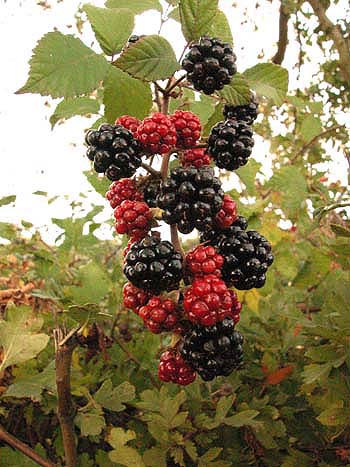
column 248, row 175
column 291, row 183
column 124, row 95
column 203, row 108
column 70, row 107
column 245, row 417
column 221, row 28
column 19, row 337
column 237, row 92
column 94, row 286
column 197, row 17
column 101, row 184
column 311, row 126
column 32, row 386
column 90, row 423
column 62, row 66
column 136, row 6
column 7, row 200
column 112, row 26
column 269, row 80
column 150, row 58
column 335, row 416
column 155, row 456
column 112, row 399
column 123, row 454
column 315, row 372
column 215, row 117
column 340, row 231
column 12, row 458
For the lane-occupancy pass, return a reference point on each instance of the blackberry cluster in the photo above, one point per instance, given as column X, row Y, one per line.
column 151, row 190
column 195, row 157
column 114, row 151
column 213, row 351
column 153, row 265
column 191, row 198
column 230, row 144
column 210, row 64
column 160, row 315
column 246, row 113
column 128, row 122
column 247, row 255
column 134, row 298
column 172, row 367
column 124, row 189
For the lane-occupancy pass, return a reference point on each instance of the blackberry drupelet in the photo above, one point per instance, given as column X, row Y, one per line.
column 191, row 197
column 213, row 351
column 151, row 190
column 114, row 151
column 172, row 368
column 247, row 255
column 246, row 113
column 214, row 235
column 230, row 144
column 210, row 64
column 153, row 265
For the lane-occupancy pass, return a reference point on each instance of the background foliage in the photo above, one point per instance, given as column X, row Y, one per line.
column 290, row 403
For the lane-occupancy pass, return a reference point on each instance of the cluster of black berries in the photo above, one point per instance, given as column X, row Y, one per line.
column 191, row 197
column 206, row 308
column 210, row 64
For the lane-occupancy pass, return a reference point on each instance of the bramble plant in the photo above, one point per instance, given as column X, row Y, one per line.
column 169, row 133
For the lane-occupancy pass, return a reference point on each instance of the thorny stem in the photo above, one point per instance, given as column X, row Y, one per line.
column 24, row 449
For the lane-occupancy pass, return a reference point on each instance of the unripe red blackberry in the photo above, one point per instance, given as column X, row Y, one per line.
column 213, row 351
column 204, row 260
column 191, row 198
column 246, row 113
column 160, row 315
column 195, row 158
column 230, row 144
column 247, row 255
column 157, row 134
column 236, row 307
column 134, row 298
column 133, row 218
column 207, row 301
column 210, row 64
column 188, row 128
column 153, row 264
column 227, row 214
column 172, row 368
column 114, row 151
column 124, row 189
column 128, row 122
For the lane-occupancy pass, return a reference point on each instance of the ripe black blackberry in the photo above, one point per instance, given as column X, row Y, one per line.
column 151, row 190
column 153, row 265
column 210, row 64
column 114, row 151
column 230, row 144
column 246, row 113
column 247, row 255
column 213, row 351
column 191, row 197
column 215, row 234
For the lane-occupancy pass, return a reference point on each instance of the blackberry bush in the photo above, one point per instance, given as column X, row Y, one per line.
column 210, row 64
column 191, row 198
column 114, row 151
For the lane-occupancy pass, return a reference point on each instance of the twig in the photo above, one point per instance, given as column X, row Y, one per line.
column 65, row 410
column 283, row 35
column 23, row 448
column 150, row 169
column 174, row 84
column 313, row 140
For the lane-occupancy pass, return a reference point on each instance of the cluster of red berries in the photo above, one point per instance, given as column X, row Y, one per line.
column 203, row 312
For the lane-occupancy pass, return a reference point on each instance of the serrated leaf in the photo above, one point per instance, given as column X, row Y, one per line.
column 221, row 28
column 292, row 185
column 197, row 17
column 62, row 66
column 94, row 286
column 77, row 106
column 112, row 398
column 315, row 372
column 101, row 184
column 90, row 423
column 151, row 58
column 32, row 386
column 155, row 456
column 237, row 92
column 11, row 458
column 7, row 200
column 124, row 95
column 335, row 416
column 112, row 27
column 136, row 6
column 214, row 118
column 123, row 454
column 269, row 80
column 310, row 127
column 340, row 231
column 248, row 175
column 245, row 417
column 19, row 337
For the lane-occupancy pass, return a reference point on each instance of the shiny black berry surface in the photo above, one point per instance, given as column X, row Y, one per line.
column 230, row 144
column 191, row 197
column 210, row 64
column 151, row 191
column 213, row 351
column 245, row 113
column 114, row 151
column 153, row 265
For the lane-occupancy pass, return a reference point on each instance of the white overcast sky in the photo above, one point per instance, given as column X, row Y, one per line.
column 35, row 158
